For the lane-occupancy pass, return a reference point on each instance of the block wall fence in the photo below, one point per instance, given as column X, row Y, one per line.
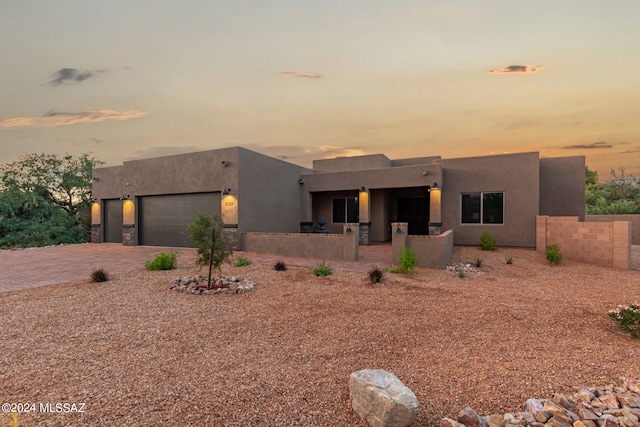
column 634, row 219
column 601, row 243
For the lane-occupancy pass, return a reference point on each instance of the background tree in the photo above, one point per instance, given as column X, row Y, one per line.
column 41, row 197
column 206, row 233
column 618, row 195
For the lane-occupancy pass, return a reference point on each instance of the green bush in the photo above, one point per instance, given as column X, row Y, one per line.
column 627, row 318
column 163, row 261
column 242, row 261
column 280, row 266
column 553, row 254
column 461, row 273
column 406, row 262
column 487, row 242
column 375, row 275
column 322, row 269
column 478, row 262
column 99, row 275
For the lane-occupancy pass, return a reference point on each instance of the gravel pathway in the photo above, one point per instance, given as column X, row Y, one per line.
column 137, row 354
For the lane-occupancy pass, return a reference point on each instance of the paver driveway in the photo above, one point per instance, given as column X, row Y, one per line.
column 28, row 268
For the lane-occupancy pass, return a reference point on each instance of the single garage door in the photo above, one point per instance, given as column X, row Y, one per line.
column 112, row 221
column 163, row 220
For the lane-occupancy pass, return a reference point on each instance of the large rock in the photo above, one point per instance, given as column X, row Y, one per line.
column 381, row 399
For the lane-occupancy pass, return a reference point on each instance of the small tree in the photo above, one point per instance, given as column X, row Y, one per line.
column 207, row 235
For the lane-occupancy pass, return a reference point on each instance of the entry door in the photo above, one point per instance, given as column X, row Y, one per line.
column 112, row 221
column 415, row 211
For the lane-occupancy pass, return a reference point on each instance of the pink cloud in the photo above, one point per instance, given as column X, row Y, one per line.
column 518, row 69
column 301, row 74
column 53, row 119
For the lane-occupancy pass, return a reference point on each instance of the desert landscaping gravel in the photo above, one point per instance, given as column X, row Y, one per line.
column 136, row 353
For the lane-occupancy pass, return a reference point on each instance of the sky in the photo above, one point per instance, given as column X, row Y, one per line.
column 302, row 80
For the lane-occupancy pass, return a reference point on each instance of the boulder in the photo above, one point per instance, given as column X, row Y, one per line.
column 470, row 418
column 381, row 399
column 448, row 422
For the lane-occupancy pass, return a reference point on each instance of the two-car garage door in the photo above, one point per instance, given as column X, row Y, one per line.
column 163, row 220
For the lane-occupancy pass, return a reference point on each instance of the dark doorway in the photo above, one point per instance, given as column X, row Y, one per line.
column 415, row 211
column 112, row 221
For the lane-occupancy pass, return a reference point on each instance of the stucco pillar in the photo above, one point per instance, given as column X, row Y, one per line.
column 229, row 214
column 364, row 210
column 306, row 222
column 435, row 210
column 128, row 222
column 399, row 231
column 96, row 226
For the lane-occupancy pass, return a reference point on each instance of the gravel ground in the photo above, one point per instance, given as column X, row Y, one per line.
column 136, row 353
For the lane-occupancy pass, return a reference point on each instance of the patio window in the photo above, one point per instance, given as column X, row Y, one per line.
column 483, row 208
column 345, row 210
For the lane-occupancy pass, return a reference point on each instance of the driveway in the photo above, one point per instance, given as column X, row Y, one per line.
column 28, row 268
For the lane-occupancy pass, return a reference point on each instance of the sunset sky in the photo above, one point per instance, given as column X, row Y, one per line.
column 303, row 80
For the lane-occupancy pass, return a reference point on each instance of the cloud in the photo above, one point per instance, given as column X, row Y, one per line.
column 518, row 69
column 70, row 75
column 53, row 118
column 96, row 140
column 163, row 150
column 301, row 74
column 599, row 144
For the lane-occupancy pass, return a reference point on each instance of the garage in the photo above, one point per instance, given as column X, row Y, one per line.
column 113, row 221
column 163, row 219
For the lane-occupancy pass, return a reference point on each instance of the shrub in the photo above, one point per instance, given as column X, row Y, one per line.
column 99, row 275
column 487, row 242
column 406, row 262
column 478, row 262
column 510, row 260
column 553, row 254
column 163, row 261
column 461, row 273
column 375, row 275
column 322, row 269
column 242, row 262
column 280, row 266
column 627, row 318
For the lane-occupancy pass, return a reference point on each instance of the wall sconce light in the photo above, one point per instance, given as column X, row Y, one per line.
column 435, row 186
column 362, row 188
column 95, row 179
column 226, row 191
column 425, row 172
column 225, row 163
column 93, row 199
column 398, row 230
column 125, row 197
column 301, row 181
column 348, row 230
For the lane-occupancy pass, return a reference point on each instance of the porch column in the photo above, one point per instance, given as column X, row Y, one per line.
column 435, row 214
column 128, row 221
column 364, row 206
column 229, row 214
column 96, row 222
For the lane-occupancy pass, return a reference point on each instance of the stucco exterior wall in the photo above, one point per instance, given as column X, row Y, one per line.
column 268, row 194
column 600, row 243
column 562, row 185
column 633, row 219
column 516, row 175
column 372, row 161
column 323, row 207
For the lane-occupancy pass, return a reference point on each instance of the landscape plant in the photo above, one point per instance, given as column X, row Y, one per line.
column 478, row 262
column 99, row 275
column 206, row 233
column 627, row 318
column 242, row 261
column 375, row 275
column 553, row 254
column 163, row 261
column 510, row 260
column 406, row 262
column 280, row 266
column 322, row 269
column 487, row 242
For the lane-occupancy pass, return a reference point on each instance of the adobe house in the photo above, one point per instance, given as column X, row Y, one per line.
column 150, row 201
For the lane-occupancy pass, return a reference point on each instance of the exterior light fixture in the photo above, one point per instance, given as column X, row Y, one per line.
column 125, row 197
column 425, row 172
column 362, row 188
column 301, row 181
column 93, row 200
column 226, row 191
column 225, row 163
column 435, row 186
column 348, row 230
column 398, row 230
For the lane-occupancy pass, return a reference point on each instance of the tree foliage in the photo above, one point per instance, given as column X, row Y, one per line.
column 618, row 195
column 206, row 233
column 41, row 196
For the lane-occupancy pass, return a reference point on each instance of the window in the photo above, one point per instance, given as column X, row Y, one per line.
column 483, row 208
column 345, row 210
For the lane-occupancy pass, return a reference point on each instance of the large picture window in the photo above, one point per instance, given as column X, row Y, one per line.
column 483, row 208
column 345, row 210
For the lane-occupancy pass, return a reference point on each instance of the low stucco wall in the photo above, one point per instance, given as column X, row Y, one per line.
column 432, row 251
column 633, row 219
column 307, row 245
column 600, row 243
